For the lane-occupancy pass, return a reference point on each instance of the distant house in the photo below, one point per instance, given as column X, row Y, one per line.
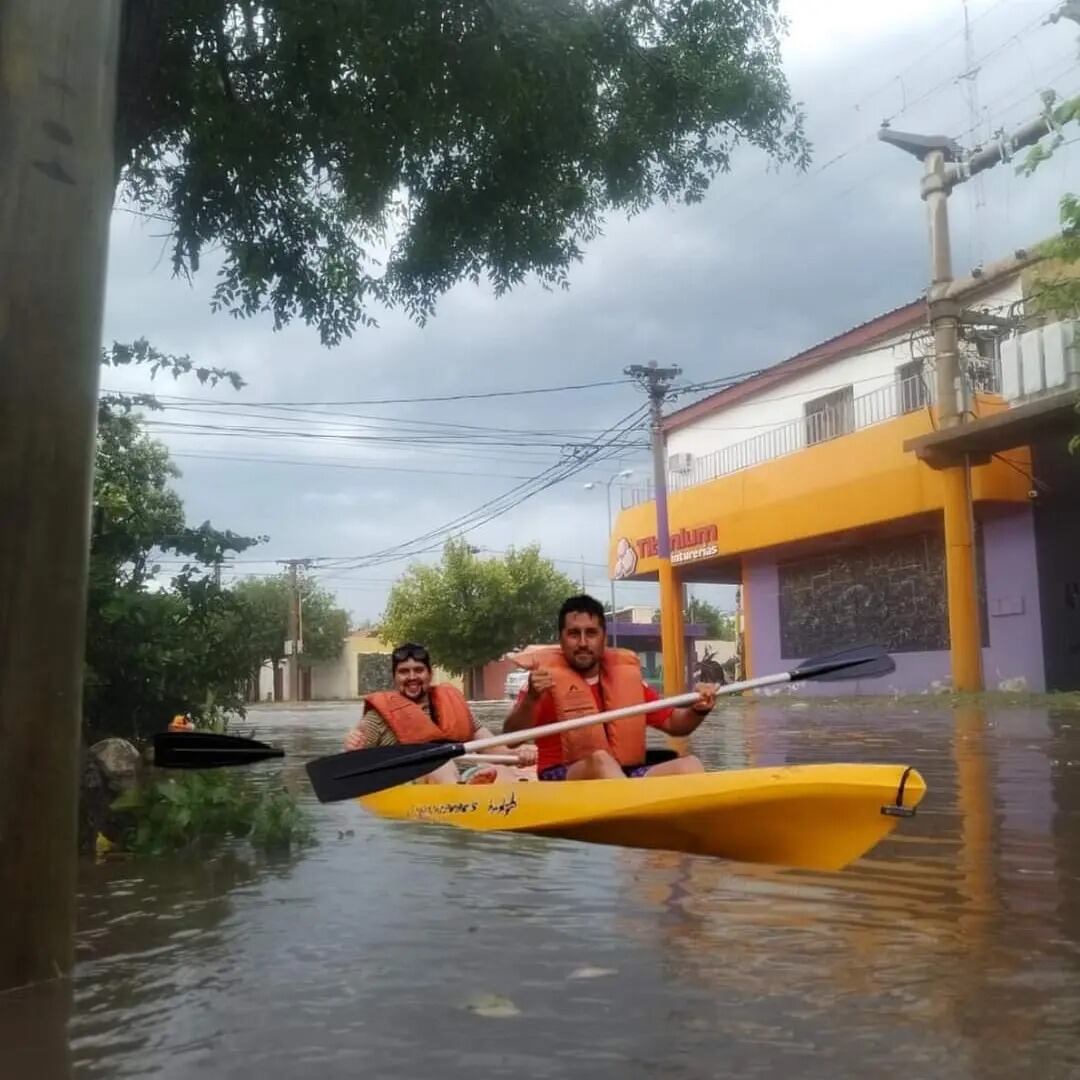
column 362, row 667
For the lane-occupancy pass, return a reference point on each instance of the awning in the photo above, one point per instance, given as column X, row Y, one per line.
column 1056, row 414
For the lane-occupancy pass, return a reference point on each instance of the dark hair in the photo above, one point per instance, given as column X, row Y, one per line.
column 409, row 651
column 583, row 605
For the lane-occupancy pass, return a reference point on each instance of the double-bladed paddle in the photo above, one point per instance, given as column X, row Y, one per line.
column 207, row 750
column 355, row 773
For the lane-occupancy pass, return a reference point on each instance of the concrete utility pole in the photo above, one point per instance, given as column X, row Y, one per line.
column 945, row 167
column 656, row 381
column 58, row 62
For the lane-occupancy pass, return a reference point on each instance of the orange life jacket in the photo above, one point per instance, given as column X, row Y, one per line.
column 620, row 686
column 409, row 722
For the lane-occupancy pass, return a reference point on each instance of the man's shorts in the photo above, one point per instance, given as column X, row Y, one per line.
column 558, row 772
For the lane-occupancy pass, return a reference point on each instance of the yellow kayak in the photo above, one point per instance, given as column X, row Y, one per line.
column 813, row 816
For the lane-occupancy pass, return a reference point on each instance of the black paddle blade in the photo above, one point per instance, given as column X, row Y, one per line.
column 206, row 750
column 363, row 772
column 862, row 662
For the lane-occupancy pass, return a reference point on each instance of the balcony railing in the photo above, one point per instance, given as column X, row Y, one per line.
column 818, row 426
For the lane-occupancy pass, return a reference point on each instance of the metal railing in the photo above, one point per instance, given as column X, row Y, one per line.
column 818, row 426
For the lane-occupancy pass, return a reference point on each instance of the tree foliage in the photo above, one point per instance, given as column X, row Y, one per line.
column 341, row 154
column 468, row 610
column 190, row 645
column 152, row 651
column 266, row 603
column 718, row 624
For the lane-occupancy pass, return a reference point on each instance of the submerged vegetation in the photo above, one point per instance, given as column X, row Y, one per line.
column 200, row 811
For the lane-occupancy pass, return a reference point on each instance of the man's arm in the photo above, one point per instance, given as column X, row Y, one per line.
column 683, row 722
column 370, row 731
column 523, row 714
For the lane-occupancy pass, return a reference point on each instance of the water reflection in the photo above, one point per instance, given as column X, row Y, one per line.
column 33, row 1032
column 953, row 950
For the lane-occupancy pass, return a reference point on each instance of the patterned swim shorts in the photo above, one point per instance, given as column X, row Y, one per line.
column 558, row 772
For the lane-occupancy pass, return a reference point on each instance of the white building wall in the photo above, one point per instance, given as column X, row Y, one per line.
column 872, row 368
column 266, row 683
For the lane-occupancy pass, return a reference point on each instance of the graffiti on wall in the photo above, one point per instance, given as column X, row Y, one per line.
column 889, row 591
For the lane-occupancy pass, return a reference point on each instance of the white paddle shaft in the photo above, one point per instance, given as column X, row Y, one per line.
column 677, row 702
column 513, row 738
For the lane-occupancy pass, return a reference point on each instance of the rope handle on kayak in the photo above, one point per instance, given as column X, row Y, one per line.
column 898, row 809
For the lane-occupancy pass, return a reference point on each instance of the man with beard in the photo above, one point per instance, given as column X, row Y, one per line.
column 581, row 676
column 420, row 711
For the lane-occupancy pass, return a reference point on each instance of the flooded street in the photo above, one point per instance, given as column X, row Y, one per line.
column 400, row 950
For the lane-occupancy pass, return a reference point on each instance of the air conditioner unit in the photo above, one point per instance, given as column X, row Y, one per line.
column 680, row 463
column 1039, row 361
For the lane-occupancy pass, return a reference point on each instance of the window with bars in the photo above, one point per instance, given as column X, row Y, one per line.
column 830, row 416
column 911, row 386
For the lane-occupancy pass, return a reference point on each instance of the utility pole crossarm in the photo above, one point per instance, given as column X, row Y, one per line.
column 961, row 165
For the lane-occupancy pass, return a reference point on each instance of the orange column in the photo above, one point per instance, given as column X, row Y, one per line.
column 965, row 639
column 743, row 631
column 672, row 630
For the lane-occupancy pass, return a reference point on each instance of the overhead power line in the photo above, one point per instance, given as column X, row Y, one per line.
column 423, row 400
column 611, row 444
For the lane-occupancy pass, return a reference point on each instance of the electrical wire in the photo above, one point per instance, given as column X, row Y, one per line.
column 424, row 400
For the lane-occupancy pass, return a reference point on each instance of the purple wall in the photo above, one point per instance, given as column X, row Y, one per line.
column 1015, row 627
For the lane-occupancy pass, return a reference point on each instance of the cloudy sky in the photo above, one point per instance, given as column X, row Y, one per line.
column 768, row 265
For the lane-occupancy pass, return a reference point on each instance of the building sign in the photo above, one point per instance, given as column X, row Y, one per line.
column 687, row 545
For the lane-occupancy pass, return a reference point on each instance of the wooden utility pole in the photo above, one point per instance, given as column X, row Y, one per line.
column 296, row 625
column 58, row 61
column 656, row 381
column 945, row 167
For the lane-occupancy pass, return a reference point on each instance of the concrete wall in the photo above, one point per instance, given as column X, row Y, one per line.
column 1014, row 658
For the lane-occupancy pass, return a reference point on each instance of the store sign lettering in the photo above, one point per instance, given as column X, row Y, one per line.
column 686, row 544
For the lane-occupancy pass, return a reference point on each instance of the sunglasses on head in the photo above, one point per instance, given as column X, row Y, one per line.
column 410, row 652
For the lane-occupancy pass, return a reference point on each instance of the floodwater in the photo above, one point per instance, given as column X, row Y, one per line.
column 406, row 950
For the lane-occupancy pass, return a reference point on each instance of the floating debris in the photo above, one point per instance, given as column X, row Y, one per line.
column 491, row 1006
column 592, row 973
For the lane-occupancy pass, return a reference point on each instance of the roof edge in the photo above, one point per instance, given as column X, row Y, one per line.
column 891, row 322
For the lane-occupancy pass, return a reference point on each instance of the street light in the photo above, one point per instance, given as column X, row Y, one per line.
column 624, row 475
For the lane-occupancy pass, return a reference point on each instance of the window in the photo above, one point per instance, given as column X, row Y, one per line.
column 910, row 386
column 829, row 416
column 984, row 368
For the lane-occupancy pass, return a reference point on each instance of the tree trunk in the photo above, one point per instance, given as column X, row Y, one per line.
column 57, row 114
column 142, row 95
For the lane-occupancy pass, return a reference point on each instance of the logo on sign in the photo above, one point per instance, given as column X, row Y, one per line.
column 625, row 558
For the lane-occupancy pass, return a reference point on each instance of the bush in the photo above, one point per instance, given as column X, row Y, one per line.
column 206, row 809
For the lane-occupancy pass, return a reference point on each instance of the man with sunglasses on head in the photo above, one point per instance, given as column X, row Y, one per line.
column 420, row 711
